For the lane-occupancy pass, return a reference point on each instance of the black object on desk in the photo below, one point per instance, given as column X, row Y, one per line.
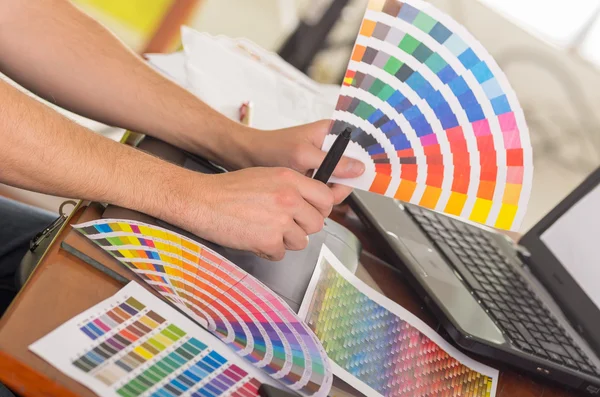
column 333, row 156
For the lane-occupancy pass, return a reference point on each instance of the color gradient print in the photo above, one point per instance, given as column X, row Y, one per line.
column 434, row 118
column 234, row 306
column 380, row 348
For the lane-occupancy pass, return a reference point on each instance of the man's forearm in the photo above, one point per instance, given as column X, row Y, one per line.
column 56, row 51
column 41, row 150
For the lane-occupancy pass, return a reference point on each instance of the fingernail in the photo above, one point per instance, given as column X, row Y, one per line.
column 356, row 167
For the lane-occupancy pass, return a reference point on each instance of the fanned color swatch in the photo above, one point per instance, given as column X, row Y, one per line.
column 230, row 303
column 379, row 347
column 434, row 118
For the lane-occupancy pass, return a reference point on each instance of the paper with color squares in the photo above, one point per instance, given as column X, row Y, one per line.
column 245, row 314
column 133, row 344
column 435, row 120
column 380, row 348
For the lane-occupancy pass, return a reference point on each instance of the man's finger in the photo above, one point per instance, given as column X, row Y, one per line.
column 340, row 192
column 317, row 194
column 349, row 168
column 309, row 219
column 295, row 238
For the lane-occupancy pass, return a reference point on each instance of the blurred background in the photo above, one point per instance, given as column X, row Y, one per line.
column 550, row 53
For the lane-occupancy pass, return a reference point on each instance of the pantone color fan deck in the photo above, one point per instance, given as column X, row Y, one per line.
column 234, row 306
column 434, row 118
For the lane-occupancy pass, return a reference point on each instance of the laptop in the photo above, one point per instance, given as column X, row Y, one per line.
column 534, row 305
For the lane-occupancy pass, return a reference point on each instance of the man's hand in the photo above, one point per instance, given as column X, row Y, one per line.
column 262, row 210
column 298, row 148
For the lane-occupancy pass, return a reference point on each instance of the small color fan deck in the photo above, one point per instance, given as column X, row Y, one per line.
column 435, row 120
column 230, row 303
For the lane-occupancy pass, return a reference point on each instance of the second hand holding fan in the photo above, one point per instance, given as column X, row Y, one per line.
column 433, row 117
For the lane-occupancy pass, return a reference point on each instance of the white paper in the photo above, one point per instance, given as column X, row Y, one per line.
column 225, row 73
column 67, row 343
column 171, row 65
column 327, row 262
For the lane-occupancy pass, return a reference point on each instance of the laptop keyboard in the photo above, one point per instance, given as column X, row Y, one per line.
column 505, row 295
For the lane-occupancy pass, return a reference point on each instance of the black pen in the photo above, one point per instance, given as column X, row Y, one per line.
column 333, row 156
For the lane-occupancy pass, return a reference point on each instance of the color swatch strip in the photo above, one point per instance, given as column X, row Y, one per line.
column 99, row 326
column 127, row 336
column 375, row 347
column 434, row 118
column 236, row 307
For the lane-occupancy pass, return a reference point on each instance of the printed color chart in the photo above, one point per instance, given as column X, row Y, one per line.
column 380, row 348
column 133, row 344
column 434, row 118
column 234, row 306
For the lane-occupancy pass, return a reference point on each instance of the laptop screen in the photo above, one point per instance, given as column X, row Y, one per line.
column 565, row 256
column 573, row 239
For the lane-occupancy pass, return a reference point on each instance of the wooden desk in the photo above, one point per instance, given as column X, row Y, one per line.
column 63, row 286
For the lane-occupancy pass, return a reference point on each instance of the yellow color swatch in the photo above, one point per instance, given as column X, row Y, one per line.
column 127, row 254
column 506, row 217
column 431, row 196
column 456, row 203
column 125, row 227
column 145, row 230
column 481, row 210
column 143, row 352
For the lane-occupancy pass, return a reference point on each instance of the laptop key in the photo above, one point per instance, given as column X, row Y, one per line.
column 570, row 363
column 512, row 316
column 524, row 346
column 484, row 295
column 515, row 335
column 467, row 276
column 572, row 352
column 586, row 368
column 508, row 326
column 532, row 327
column 499, row 315
column 555, row 357
column 528, row 310
column 523, row 317
column 538, row 335
column 553, row 347
column 536, row 320
column 539, row 351
column 525, row 332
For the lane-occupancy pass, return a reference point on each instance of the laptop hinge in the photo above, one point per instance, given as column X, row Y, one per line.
column 524, row 255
